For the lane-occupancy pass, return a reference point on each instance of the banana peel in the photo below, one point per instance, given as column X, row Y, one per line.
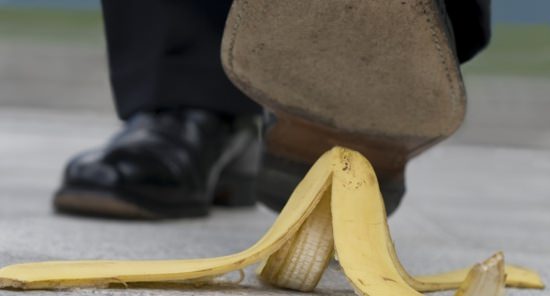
column 336, row 210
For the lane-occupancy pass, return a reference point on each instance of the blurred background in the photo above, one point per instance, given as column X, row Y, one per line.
column 55, row 101
column 52, row 59
column 55, row 98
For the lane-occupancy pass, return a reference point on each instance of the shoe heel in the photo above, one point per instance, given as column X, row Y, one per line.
column 277, row 180
column 280, row 176
column 237, row 183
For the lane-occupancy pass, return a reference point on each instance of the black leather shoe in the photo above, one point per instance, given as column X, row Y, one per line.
column 165, row 165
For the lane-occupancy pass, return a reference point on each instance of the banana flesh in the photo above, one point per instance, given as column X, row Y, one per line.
column 336, row 208
column 487, row 278
column 301, row 262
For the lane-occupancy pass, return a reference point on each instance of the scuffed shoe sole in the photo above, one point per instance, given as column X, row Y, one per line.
column 380, row 77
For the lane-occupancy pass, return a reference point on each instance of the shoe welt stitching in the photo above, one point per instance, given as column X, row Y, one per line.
column 234, row 31
column 438, row 45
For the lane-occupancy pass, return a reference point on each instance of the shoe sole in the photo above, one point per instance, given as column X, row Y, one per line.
column 377, row 76
column 233, row 190
column 97, row 203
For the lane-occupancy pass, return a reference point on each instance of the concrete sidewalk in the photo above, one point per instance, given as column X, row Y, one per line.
column 485, row 190
column 465, row 203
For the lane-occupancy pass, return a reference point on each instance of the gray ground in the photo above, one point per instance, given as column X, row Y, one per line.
column 485, row 190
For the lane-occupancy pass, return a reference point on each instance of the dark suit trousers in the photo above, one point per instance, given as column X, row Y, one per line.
column 164, row 54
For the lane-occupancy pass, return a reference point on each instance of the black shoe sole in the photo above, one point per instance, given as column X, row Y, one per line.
column 233, row 190
column 106, row 204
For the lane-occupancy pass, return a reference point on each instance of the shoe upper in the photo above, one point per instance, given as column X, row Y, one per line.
column 163, row 157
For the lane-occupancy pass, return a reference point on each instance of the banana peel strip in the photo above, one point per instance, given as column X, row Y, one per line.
column 341, row 185
column 516, row 277
column 356, row 194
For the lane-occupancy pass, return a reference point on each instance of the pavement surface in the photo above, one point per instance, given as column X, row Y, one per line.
column 464, row 203
column 485, row 190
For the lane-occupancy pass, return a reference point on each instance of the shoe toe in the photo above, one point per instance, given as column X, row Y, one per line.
column 89, row 169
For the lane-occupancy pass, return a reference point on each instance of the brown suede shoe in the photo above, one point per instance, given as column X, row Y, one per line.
column 377, row 76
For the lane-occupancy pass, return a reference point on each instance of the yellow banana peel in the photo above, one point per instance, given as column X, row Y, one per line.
column 336, row 209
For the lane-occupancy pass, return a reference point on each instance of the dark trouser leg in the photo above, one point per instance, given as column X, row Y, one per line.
column 164, row 54
column 471, row 20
